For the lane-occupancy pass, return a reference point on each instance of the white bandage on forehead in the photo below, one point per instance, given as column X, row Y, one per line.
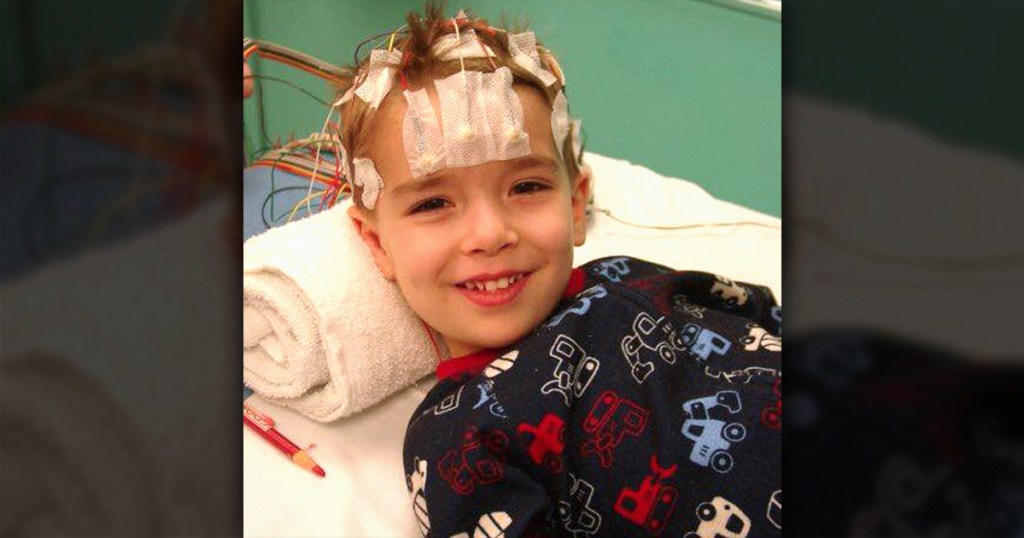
column 378, row 77
column 366, row 176
column 466, row 45
column 481, row 117
column 481, row 121
column 560, row 120
column 421, row 135
column 523, row 47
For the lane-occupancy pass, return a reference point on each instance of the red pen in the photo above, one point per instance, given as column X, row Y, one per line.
column 264, row 426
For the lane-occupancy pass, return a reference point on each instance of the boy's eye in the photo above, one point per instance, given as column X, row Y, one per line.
column 529, row 187
column 432, row 204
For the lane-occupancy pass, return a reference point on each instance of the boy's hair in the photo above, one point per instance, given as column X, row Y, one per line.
column 420, row 65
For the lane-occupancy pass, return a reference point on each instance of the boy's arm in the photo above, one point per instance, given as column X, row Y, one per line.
column 564, row 432
column 463, row 468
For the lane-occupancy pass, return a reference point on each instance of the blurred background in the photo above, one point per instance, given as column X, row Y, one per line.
column 120, row 163
column 904, row 269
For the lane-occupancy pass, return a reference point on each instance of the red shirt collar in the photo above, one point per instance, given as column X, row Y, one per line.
column 474, row 363
column 576, row 280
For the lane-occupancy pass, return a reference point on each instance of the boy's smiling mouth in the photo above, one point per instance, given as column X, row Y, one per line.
column 493, row 290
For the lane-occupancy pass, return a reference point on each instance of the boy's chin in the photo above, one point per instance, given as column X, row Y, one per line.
column 491, row 341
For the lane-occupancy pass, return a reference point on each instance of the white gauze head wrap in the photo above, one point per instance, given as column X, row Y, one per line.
column 366, row 176
column 481, row 117
column 378, row 76
column 560, row 120
column 523, row 47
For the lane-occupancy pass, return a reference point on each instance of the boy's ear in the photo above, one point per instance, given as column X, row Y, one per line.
column 367, row 230
column 580, row 197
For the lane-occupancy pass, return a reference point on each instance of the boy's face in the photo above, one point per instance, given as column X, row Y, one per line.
column 481, row 253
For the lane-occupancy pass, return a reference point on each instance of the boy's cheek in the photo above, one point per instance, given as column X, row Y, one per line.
column 409, row 262
column 558, row 238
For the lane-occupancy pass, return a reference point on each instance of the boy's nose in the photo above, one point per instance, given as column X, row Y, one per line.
column 488, row 231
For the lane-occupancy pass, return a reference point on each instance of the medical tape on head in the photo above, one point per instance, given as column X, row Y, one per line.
column 555, row 68
column 449, row 47
column 345, row 98
column 577, row 141
column 506, row 111
column 523, row 48
column 377, row 83
column 366, row 176
column 481, row 118
column 560, row 120
column 346, row 167
column 421, row 135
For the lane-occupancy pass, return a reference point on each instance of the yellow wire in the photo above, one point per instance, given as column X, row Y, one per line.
column 316, row 163
column 303, row 201
column 130, row 194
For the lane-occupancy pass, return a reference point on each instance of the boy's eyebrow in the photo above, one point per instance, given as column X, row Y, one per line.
column 529, row 161
column 429, row 181
column 419, row 184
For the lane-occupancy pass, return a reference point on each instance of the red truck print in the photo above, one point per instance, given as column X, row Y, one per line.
column 480, row 460
column 651, row 505
column 548, row 442
column 771, row 416
column 609, row 421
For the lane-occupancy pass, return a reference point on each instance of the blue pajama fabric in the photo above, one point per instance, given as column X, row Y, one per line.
column 647, row 404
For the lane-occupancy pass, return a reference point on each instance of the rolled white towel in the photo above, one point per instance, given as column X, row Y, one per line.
column 324, row 333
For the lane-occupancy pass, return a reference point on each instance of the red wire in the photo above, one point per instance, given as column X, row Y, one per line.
column 484, row 49
column 323, row 198
column 406, row 59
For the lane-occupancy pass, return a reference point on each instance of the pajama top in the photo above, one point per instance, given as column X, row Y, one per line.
column 648, row 403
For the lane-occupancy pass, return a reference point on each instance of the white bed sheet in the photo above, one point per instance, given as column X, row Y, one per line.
column 364, row 492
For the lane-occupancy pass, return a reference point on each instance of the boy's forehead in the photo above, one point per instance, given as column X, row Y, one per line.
column 387, row 148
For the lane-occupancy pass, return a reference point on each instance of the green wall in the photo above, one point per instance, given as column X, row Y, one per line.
column 945, row 68
column 688, row 88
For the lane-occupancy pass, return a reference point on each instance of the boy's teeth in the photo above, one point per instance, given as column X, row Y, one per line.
column 491, row 285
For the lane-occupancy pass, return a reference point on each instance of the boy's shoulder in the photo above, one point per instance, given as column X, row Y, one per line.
column 618, row 269
column 681, row 291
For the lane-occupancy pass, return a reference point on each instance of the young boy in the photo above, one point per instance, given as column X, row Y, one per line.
column 615, row 399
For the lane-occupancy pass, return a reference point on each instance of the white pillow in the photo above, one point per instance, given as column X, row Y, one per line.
column 750, row 251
